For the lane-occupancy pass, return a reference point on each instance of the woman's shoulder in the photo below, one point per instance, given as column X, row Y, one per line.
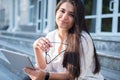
column 52, row 32
column 86, row 39
column 85, row 35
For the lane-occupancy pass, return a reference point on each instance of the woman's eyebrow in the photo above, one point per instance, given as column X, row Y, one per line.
column 71, row 12
column 61, row 9
column 66, row 10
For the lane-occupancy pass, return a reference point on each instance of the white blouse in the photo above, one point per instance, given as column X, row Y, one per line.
column 87, row 60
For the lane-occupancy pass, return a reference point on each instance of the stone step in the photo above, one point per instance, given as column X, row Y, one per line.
column 24, row 46
column 16, row 43
column 5, row 74
column 11, row 75
column 110, row 60
column 107, row 73
column 7, row 71
column 21, row 45
column 108, row 43
column 110, row 74
column 107, row 59
column 23, row 35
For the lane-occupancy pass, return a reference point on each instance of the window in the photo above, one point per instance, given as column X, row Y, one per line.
column 42, row 13
column 32, row 11
column 39, row 13
column 102, row 16
column 107, row 7
column 90, row 12
column 91, row 23
column 106, row 25
column 90, row 7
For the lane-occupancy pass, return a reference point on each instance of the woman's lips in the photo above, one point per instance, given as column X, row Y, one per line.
column 63, row 22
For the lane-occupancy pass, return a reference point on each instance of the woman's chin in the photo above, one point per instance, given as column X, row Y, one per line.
column 63, row 28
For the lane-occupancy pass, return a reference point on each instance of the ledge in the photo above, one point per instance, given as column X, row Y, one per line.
column 109, row 54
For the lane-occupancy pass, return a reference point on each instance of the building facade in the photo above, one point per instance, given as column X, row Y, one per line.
column 20, row 18
column 102, row 16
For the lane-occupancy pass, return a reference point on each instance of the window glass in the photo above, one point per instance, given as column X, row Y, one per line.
column 46, row 16
column 107, row 6
column 90, row 7
column 91, row 23
column 45, row 24
column 39, row 9
column 39, row 28
column 119, row 24
column 106, row 25
column 32, row 11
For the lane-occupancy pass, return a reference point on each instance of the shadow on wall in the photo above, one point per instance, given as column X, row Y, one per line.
column 4, row 27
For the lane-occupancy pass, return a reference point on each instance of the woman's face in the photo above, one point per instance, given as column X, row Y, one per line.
column 65, row 16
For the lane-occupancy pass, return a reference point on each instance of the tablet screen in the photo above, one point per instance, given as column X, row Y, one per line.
column 17, row 60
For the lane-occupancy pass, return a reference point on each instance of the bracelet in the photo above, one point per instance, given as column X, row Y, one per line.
column 47, row 76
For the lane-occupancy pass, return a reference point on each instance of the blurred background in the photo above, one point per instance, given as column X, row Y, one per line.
column 23, row 21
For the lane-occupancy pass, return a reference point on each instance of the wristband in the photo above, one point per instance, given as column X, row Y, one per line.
column 47, row 76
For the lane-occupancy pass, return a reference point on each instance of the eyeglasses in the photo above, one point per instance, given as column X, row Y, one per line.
column 48, row 56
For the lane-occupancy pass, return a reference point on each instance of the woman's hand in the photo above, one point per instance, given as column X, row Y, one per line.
column 43, row 44
column 35, row 74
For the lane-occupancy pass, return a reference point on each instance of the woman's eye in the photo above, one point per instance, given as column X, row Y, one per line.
column 72, row 15
column 62, row 11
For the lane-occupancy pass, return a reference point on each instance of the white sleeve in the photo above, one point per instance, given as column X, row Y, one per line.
column 87, row 59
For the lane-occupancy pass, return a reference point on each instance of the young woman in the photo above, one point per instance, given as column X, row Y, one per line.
column 68, row 52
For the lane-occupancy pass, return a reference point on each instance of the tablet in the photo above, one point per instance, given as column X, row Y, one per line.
column 17, row 60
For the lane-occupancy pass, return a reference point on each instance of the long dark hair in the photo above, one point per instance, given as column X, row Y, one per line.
column 72, row 55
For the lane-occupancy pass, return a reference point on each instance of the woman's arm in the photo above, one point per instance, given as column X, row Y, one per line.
column 59, row 76
column 39, row 58
column 41, row 45
column 37, row 74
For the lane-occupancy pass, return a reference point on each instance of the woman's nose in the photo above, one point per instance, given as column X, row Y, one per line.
column 65, row 16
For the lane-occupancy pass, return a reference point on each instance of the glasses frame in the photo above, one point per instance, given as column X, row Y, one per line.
column 46, row 54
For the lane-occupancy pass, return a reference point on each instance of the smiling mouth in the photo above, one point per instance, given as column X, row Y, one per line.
column 63, row 22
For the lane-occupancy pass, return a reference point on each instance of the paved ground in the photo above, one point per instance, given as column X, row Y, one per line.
column 110, row 74
column 6, row 74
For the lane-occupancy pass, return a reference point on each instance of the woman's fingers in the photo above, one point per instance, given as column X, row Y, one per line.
column 35, row 74
column 45, row 44
column 29, row 71
column 42, row 43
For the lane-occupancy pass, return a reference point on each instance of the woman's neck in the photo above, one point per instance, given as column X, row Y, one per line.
column 62, row 34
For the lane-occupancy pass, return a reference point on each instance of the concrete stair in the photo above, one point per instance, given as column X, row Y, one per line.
column 110, row 74
column 7, row 72
column 22, row 35
column 110, row 60
column 22, row 42
column 108, row 49
column 19, row 42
